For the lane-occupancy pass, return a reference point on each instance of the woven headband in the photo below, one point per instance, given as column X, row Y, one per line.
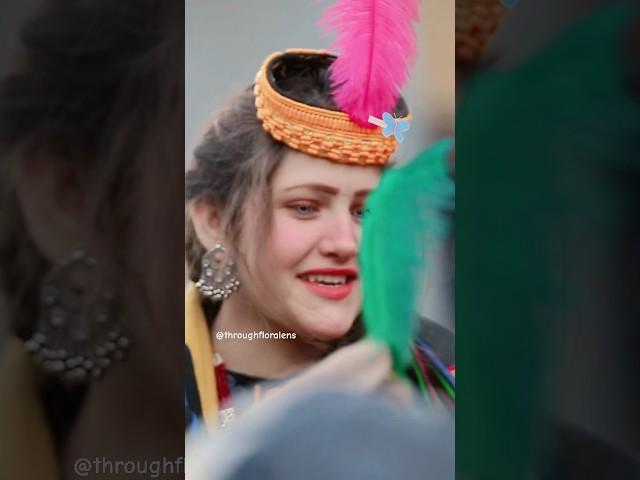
column 317, row 131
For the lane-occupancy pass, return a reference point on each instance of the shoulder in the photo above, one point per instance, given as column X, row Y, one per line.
column 440, row 339
column 431, row 369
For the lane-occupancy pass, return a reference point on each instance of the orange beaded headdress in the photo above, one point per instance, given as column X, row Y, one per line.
column 322, row 132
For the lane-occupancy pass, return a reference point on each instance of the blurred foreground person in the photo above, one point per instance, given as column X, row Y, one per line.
column 329, row 435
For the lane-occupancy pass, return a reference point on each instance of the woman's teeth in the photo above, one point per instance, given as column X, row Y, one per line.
column 326, row 279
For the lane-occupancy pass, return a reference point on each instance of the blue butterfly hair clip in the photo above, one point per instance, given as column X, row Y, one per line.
column 391, row 125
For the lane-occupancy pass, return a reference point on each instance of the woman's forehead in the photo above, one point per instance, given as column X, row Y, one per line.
column 298, row 170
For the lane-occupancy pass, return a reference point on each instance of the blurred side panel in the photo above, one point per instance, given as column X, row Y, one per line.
column 547, row 170
column 91, row 239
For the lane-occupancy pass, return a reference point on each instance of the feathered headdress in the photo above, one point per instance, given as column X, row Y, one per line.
column 376, row 46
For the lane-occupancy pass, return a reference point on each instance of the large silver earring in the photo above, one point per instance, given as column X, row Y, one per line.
column 218, row 276
column 79, row 332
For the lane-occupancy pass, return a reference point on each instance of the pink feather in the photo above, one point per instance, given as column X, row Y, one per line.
column 376, row 45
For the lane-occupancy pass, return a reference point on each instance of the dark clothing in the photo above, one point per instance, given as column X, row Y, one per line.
column 439, row 338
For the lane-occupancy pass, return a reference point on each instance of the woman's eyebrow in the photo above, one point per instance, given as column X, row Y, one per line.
column 326, row 189
column 315, row 186
column 362, row 193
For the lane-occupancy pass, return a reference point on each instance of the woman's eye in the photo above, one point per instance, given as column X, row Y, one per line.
column 303, row 209
column 360, row 212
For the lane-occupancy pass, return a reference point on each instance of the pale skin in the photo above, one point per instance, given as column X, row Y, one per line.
column 316, row 223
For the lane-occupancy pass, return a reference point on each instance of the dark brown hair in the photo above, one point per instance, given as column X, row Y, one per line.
column 235, row 159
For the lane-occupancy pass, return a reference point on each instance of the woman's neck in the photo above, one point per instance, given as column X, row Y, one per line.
column 259, row 357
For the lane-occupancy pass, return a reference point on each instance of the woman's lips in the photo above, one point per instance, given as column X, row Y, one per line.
column 330, row 292
column 329, row 283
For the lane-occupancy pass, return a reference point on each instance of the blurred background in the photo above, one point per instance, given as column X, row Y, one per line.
column 226, row 41
column 547, row 225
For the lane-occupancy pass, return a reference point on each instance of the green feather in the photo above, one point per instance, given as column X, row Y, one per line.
column 405, row 218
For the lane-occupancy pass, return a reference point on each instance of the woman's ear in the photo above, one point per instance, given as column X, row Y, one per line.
column 52, row 204
column 206, row 223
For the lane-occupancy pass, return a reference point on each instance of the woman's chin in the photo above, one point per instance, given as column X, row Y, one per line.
column 326, row 329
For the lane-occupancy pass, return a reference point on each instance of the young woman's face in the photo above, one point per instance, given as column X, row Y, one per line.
column 309, row 258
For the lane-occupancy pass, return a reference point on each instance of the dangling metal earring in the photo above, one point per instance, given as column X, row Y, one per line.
column 218, row 276
column 79, row 332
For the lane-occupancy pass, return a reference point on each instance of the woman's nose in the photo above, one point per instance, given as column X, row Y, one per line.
column 341, row 239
